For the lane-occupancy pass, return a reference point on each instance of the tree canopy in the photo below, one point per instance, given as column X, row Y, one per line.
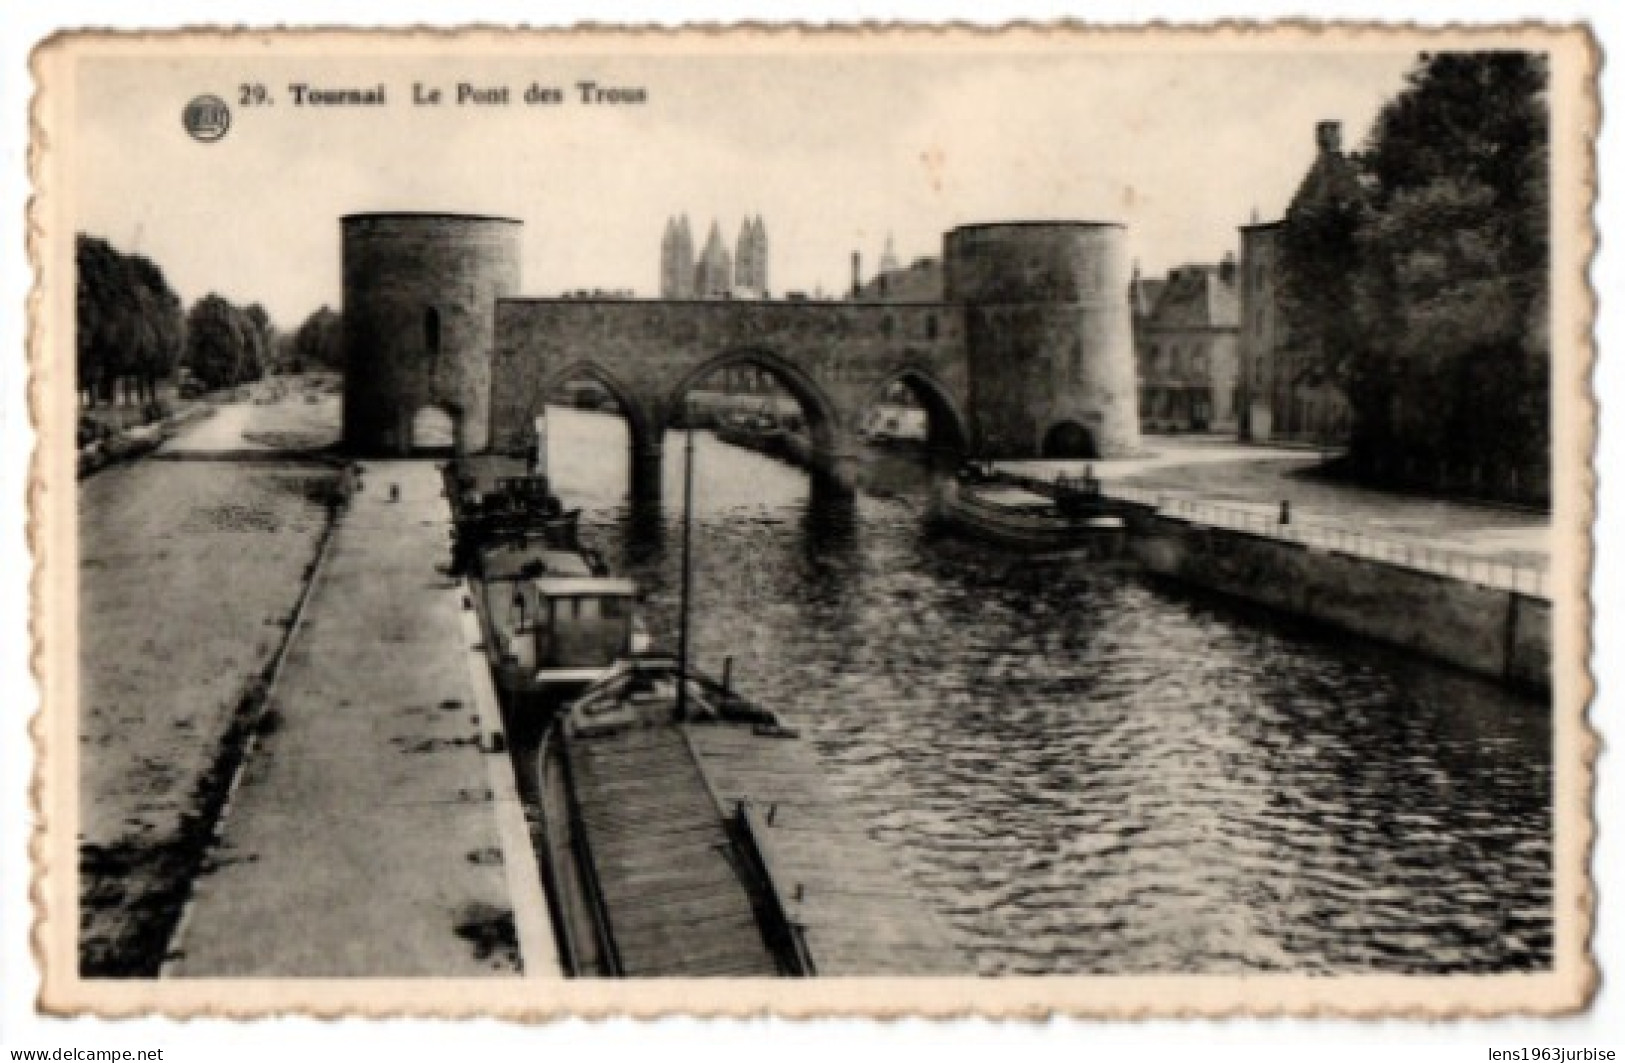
column 1419, row 283
column 319, row 342
column 128, row 328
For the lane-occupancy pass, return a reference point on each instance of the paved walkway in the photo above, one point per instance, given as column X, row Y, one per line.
column 1254, row 480
column 370, row 835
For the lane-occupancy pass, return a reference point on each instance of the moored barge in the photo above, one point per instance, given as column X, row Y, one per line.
column 1077, row 521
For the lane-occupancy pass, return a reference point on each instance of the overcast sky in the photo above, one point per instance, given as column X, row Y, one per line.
column 835, row 151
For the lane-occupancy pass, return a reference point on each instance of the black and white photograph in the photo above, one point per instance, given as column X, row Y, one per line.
column 862, row 522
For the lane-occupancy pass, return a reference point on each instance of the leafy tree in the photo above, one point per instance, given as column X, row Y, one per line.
column 319, row 343
column 128, row 329
column 1416, row 278
column 217, row 342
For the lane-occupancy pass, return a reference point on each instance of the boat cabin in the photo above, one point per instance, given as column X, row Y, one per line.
column 565, row 627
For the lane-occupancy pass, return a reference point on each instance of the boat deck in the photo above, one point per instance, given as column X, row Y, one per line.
column 663, row 860
column 857, row 914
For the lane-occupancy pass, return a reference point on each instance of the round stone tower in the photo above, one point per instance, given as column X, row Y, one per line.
column 420, row 295
column 1049, row 340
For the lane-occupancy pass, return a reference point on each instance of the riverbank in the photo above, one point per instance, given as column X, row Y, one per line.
column 1457, row 582
column 1495, row 632
column 188, row 575
column 1257, row 479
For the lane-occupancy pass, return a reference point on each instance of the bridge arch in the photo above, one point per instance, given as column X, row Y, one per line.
column 824, row 417
column 948, row 426
column 642, row 428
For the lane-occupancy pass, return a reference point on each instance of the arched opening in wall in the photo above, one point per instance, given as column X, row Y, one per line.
column 758, row 401
column 914, row 414
column 1069, row 439
column 592, row 431
column 434, row 431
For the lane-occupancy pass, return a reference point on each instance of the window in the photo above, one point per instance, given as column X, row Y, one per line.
column 431, row 331
column 930, row 326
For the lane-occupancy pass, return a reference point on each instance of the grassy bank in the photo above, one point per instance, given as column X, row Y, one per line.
column 189, row 574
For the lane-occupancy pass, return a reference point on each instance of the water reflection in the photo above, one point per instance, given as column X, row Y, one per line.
column 1086, row 771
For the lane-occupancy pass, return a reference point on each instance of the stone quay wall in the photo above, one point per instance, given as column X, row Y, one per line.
column 1499, row 634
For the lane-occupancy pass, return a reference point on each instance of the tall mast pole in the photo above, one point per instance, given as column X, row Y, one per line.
column 688, row 573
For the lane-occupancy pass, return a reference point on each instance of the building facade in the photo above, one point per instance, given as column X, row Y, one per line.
column 1185, row 347
column 1283, row 393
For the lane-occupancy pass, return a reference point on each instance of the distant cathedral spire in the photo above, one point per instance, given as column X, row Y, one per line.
column 888, row 257
column 713, row 273
column 677, row 260
column 750, row 257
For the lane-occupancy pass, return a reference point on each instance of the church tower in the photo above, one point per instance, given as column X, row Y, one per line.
column 759, row 256
column 750, row 257
column 713, row 275
column 745, row 257
column 888, row 257
column 677, row 260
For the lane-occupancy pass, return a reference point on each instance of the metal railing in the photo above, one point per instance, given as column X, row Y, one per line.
column 1469, row 568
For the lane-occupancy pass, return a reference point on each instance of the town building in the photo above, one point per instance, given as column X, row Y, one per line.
column 1185, row 348
column 921, row 281
column 1283, row 392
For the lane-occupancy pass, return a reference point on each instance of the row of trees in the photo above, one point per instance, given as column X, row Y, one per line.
column 1419, row 285
column 132, row 333
column 130, row 325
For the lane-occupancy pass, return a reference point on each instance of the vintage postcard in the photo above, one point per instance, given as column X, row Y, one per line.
column 880, row 521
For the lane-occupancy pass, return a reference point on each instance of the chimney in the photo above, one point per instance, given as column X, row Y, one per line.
column 1227, row 268
column 1329, row 136
column 857, row 273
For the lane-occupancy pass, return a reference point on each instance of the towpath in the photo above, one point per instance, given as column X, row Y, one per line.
column 371, row 833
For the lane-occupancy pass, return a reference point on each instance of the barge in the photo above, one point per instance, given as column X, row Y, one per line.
column 681, row 830
column 689, row 833
column 1077, row 521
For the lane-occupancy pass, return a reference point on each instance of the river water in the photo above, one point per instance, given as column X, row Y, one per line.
column 1084, row 771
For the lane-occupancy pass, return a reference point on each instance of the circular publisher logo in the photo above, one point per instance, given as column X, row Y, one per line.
column 207, row 118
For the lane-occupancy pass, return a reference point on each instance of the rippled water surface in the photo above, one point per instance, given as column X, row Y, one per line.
column 1084, row 771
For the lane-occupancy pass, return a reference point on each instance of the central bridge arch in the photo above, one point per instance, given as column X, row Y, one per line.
column 822, row 414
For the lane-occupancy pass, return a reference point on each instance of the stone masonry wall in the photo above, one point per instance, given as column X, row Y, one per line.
column 396, row 268
column 834, row 356
column 1049, row 333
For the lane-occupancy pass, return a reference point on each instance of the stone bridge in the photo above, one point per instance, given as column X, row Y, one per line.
column 1029, row 353
column 836, row 359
